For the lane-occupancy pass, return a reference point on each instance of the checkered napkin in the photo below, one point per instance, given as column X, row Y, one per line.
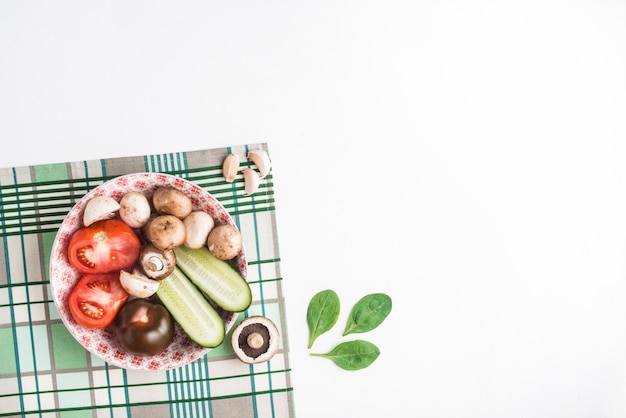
column 45, row 372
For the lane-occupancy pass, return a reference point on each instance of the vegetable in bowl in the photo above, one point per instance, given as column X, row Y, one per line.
column 103, row 342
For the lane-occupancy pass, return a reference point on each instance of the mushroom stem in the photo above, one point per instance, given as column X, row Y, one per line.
column 255, row 340
column 155, row 264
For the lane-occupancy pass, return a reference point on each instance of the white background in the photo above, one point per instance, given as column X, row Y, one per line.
column 467, row 158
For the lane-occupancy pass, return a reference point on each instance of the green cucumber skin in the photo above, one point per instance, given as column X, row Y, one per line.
column 191, row 310
column 223, row 284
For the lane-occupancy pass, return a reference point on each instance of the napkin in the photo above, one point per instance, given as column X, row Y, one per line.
column 44, row 371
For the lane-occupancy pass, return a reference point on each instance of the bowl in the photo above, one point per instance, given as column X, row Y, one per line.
column 63, row 277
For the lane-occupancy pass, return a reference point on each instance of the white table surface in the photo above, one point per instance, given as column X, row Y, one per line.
column 467, row 158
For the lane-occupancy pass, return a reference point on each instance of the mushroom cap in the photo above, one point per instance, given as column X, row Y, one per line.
column 165, row 231
column 198, row 225
column 255, row 339
column 171, row 201
column 135, row 209
column 225, row 241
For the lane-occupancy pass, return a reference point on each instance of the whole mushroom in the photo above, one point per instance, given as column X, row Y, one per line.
column 165, row 232
column 198, row 225
column 135, row 209
column 171, row 201
column 225, row 241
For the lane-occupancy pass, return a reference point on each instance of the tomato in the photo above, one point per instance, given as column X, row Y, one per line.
column 144, row 327
column 96, row 299
column 104, row 247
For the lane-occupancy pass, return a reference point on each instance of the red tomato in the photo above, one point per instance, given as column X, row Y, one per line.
column 104, row 247
column 96, row 299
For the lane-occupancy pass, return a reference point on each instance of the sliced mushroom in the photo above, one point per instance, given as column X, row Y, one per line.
column 137, row 284
column 155, row 263
column 100, row 208
column 255, row 339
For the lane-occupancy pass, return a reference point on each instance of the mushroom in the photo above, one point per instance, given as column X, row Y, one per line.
column 198, row 224
column 100, row 208
column 165, row 232
column 135, row 209
column 255, row 339
column 225, row 241
column 137, row 284
column 171, row 201
column 156, row 264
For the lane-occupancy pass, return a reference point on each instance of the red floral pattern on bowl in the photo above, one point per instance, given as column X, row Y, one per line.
column 63, row 277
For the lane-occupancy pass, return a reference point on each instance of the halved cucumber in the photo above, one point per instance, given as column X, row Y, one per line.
column 223, row 284
column 191, row 309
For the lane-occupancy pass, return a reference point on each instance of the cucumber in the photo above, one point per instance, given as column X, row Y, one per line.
column 191, row 310
column 219, row 280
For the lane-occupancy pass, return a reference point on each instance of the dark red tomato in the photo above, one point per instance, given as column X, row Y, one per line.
column 104, row 247
column 144, row 327
column 96, row 299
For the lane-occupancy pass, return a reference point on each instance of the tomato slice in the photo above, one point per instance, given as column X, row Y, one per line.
column 104, row 247
column 96, row 299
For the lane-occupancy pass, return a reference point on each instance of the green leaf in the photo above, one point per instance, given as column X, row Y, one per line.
column 322, row 313
column 368, row 313
column 352, row 355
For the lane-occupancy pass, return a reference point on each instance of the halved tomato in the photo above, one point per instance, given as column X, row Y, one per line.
column 104, row 247
column 96, row 299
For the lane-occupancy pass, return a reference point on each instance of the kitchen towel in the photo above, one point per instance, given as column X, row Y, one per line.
column 45, row 372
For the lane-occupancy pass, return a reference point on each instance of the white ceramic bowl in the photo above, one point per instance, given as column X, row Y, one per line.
column 103, row 342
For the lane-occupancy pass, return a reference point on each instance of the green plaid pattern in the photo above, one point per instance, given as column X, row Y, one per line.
column 45, row 372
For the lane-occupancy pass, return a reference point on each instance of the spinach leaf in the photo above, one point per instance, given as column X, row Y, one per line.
column 352, row 355
column 368, row 313
column 322, row 313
